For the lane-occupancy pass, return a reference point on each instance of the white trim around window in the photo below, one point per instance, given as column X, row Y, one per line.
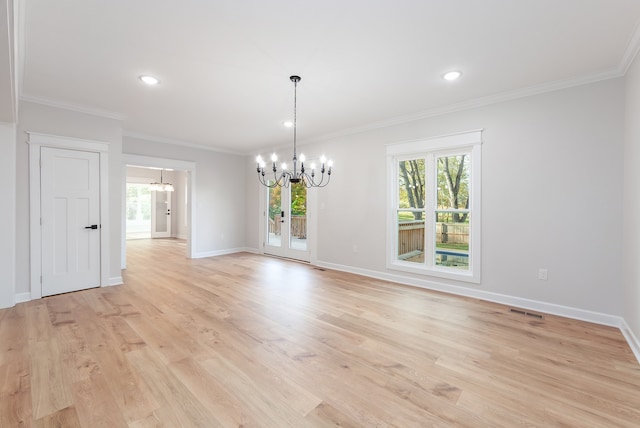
column 430, row 149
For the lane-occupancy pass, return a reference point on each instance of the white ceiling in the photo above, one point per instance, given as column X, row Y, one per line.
column 224, row 66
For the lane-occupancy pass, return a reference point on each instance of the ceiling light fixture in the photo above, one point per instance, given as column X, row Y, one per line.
column 288, row 124
column 162, row 186
column 452, row 75
column 149, row 80
column 285, row 178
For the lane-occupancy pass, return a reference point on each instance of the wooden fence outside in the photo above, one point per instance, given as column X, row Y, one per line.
column 411, row 235
column 298, row 226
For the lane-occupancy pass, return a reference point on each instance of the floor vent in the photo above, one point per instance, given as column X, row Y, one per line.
column 525, row 313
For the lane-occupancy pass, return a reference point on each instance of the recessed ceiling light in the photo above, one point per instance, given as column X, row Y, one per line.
column 452, row 75
column 288, row 124
column 149, row 80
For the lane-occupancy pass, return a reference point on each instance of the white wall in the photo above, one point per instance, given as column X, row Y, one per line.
column 551, row 186
column 66, row 123
column 631, row 211
column 7, row 214
column 220, row 184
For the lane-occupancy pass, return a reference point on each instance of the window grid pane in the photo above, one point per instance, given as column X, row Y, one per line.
column 411, row 236
column 453, row 182
column 452, row 239
column 411, row 183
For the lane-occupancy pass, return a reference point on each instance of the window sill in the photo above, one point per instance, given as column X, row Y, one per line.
column 464, row 276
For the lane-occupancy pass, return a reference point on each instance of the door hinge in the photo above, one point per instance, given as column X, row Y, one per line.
column 40, row 279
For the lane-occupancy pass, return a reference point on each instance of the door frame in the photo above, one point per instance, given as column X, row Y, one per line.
column 189, row 168
column 37, row 141
column 312, row 224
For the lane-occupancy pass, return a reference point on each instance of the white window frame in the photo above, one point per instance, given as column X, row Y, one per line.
column 470, row 143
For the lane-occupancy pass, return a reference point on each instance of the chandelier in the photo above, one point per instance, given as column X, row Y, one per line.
column 285, row 177
column 161, row 187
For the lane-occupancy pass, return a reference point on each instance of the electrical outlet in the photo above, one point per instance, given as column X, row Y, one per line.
column 542, row 274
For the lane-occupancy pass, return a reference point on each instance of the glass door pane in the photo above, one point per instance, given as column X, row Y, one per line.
column 298, row 223
column 161, row 214
column 161, row 208
column 274, row 217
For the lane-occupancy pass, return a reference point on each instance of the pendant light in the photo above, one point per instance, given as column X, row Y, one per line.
column 162, row 186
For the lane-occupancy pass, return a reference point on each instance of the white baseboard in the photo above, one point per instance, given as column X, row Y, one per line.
column 181, row 236
column 214, row 253
column 632, row 340
column 23, row 297
column 534, row 305
column 116, row 280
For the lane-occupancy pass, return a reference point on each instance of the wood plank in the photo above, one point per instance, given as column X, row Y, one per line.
column 15, row 394
column 13, row 334
column 178, row 406
column 325, row 415
column 228, row 410
column 269, row 411
column 65, row 418
column 96, row 405
column 50, row 389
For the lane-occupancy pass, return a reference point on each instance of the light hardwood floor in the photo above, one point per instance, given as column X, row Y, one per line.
column 246, row 340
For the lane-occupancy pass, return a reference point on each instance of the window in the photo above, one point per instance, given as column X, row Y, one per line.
column 434, row 199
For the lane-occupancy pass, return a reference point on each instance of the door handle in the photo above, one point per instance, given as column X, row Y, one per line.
column 93, row 226
column 281, row 216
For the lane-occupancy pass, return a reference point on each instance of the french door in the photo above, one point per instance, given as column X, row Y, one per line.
column 285, row 227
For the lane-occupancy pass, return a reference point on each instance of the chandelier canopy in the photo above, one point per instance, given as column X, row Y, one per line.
column 285, row 177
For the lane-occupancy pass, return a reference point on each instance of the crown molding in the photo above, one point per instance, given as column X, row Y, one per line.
column 471, row 104
column 73, row 107
column 155, row 139
column 633, row 47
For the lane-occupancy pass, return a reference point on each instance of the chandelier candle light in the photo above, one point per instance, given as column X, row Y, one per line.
column 161, row 187
column 285, row 178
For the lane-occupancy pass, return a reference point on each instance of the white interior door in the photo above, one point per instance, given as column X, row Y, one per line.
column 285, row 228
column 70, row 218
column 161, row 214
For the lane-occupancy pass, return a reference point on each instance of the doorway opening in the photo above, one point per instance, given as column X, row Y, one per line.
column 152, row 213
column 149, row 213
